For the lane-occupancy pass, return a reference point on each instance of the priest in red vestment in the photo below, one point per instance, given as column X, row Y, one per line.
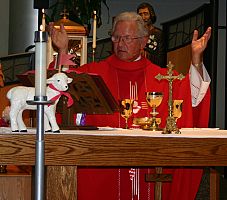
column 129, row 75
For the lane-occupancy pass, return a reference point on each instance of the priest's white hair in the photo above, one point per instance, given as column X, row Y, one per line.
column 132, row 16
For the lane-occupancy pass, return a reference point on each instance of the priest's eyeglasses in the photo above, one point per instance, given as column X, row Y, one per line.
column 126, row 39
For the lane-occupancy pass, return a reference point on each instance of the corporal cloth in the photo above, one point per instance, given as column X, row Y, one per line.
column 127, row 80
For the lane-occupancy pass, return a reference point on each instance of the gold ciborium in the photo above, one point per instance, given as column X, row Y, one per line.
column 145, row 122
column 126, row 109
column 154, row 99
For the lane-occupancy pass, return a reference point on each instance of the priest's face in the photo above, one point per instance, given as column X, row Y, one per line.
column 126, row 41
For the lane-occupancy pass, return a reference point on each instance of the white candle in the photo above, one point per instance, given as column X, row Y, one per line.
column 49, row 52
column 94, row 31
column 40, row 64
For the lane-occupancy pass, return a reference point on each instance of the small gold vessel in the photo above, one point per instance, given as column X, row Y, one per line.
column 145, row 122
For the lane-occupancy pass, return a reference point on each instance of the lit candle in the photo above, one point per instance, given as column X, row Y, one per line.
column 94, row 30
column 43, row 25
column 40, row 63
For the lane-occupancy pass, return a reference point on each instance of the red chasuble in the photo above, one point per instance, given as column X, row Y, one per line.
column 132, row 80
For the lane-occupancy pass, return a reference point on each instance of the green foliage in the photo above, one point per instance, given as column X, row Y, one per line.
column 80, row 11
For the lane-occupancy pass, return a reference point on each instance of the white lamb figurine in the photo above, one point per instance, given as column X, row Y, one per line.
column 20, row 94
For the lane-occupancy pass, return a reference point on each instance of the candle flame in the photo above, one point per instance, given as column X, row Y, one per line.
column 41, row 27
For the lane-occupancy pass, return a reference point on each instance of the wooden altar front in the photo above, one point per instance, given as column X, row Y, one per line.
column 65, row 151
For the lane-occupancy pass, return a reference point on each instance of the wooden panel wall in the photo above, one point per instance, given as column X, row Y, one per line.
column 3, row 98
column 181, row 58
column 16, row 184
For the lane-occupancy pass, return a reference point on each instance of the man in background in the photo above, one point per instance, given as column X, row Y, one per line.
column 155, row 49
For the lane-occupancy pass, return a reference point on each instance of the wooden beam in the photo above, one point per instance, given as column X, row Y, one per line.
column 61, row 182
column 84, row 149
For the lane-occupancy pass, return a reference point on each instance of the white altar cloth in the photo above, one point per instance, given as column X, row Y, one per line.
column 108, row 131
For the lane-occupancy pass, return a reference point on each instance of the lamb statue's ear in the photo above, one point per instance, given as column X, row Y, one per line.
column 69, row 80
column 50, row 80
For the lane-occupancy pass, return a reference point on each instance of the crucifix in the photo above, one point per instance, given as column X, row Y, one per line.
column 171, row 126
column 65, row 14
column 158, row 178
column 171, row 120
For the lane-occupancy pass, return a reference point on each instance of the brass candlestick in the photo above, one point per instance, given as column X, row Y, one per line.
column 171, row 125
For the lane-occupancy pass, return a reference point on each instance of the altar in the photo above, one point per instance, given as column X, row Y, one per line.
column 108, row 146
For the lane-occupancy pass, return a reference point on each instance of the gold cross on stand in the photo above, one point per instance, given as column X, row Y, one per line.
column 170, row 121
column 64, row 14
column 158, row 178
column 171, row 126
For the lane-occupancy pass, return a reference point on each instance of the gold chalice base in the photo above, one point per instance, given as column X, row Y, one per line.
column 146, row 122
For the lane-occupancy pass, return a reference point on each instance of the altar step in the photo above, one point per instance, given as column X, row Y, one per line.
column 16, row 183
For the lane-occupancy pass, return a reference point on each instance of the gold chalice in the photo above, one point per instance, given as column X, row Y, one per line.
column 126, row 109
column 154, row 99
